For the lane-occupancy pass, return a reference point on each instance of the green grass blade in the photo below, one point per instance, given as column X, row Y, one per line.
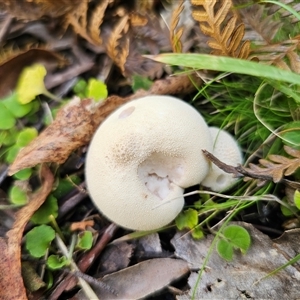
column 286, row 7
column 289, row 263
column 226, row 64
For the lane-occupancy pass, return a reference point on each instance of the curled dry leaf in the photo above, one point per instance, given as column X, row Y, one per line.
column 77, row 121
column 73, row 127
column 11, row 282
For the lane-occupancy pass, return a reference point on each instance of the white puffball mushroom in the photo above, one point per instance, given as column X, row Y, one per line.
column 145, row 154
column 227, row 150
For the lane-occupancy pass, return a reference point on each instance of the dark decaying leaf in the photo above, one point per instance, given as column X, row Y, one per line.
column 73, row 127
column 242, row 278
column 10, row 69
column 141, row 280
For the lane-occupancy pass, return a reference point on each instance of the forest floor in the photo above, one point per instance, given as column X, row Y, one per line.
column 65, row 66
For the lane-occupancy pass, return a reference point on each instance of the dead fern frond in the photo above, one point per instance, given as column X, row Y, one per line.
column 283, row 54
column 218, row 22
column 137, row 20
column 116, row 50
column 176, row 33
column 96, row 20
column 277, row 166
column 78, row 20
column 260, row 21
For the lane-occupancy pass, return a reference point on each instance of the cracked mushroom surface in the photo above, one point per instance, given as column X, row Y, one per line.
column 145, row 153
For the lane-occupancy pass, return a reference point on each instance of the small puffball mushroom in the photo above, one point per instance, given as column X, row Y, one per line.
column 145, row 154
column 226, row 149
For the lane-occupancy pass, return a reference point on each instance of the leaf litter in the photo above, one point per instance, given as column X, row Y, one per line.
column 92, row 38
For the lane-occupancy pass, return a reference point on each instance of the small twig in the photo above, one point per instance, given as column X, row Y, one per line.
column 93, row 281
column 226, row 168
column 85, row 286
column 240, row 171
column 88, row 258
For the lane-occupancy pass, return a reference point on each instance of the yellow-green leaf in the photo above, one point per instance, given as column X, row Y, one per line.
column 31, row 83
column 96, row 89
column 297, row 199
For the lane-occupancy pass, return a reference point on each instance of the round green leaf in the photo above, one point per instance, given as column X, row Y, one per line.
column 23, row 174
column 238, row 236
column 17, row 195
column 297, row 199
column 85, row 240
column 48, row 208
column 225, row 250
column 80, row 88
column 285, row 211
column 8, row 137
column 12, row 153
column 96, row 89
column 65, row 185
column 291, row 134
column 140, row 82
column 38, row 240
column 17, row 109
column 55, row 262
column 7, row 120
column 26, row 136
column 187, row 219
column 31, row 83
column 197, row 233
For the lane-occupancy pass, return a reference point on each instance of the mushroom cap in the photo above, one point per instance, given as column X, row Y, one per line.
column 227, row 150
column 144, row 154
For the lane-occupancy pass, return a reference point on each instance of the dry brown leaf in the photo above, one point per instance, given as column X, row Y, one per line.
column 218, row 22
column 142, row 279
column 73, row 127
column 11, row 282
column 11, row 67
column 278, row 166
